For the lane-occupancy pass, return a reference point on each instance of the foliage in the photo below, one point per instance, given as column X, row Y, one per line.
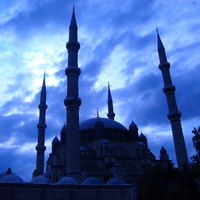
column 172, row 183
column 196, row 143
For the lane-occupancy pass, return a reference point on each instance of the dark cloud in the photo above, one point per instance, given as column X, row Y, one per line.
column 129, row 25
column 143, row 101
column 188, row 93
column 37, row 18
column 19, row 163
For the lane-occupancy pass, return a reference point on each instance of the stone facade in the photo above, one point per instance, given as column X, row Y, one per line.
column 107, row 150
column 63, row 192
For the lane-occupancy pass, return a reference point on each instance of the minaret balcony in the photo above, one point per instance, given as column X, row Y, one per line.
column 73, row 70
column 169, row 89
column 164, row 65
column 72, row 101
column 41, row 126
column 73, row 44
column 174, row 115
column 42, row 106
column 40, row 148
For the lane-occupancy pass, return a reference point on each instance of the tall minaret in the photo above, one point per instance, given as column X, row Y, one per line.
column 72, row 103
column 111, row 114
column 40, row 148
column 174, row 115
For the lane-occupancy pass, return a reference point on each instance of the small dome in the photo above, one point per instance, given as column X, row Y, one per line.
column 56, row 140
column 85, row 148
column 67, row 181
column 64, row 128
column 3, row 174
column 92, row 181
column 133, row 124
column 40, row 180
column 163, row 150
column 11, row 178
column 115, row 181
column 142, row 136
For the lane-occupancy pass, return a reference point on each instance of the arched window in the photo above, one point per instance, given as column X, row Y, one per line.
column 91, row 167
column 130, row 168
column 120, row 152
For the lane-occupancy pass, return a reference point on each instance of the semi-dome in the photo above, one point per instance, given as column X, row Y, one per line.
column 67, row 181
column 40, row 180
column 108, row 123
column 92, row 181
column 47, row 174
column 85, row 148
column 115, row 181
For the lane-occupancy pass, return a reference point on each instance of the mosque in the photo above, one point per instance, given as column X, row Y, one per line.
column 98, row 158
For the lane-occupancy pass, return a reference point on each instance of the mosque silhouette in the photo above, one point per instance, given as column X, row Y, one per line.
column 98, row 158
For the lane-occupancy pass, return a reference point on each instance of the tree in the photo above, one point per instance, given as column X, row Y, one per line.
column 171, row 183
column 196, row 143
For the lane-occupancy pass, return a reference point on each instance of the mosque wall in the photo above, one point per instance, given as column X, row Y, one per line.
column 63, row 192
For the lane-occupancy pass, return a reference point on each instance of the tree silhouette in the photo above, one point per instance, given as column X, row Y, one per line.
column 172, row 183
column 196, row 143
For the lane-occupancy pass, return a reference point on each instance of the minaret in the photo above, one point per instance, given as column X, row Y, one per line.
column 72, row 103
column 174, row 115
column 40, row 148
column 111, row 113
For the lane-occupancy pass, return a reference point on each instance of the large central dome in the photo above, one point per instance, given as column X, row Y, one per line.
column 102, row 128
column 108, row 123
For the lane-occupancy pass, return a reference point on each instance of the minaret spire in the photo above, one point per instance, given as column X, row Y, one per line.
column 72, row 103
column 111, row 114
column 40, row 148
column 161, row 49
column 174, row 115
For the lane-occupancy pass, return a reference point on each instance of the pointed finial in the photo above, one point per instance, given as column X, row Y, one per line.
column 44, row 84
column 97, row 113
column 109, row 93
column 9, row 171
column 160, row 44
column 111, row 114
column 73, row 18
column 157, row 30
column 161, row 49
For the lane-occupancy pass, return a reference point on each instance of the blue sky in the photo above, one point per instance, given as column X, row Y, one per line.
column 118, row 44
